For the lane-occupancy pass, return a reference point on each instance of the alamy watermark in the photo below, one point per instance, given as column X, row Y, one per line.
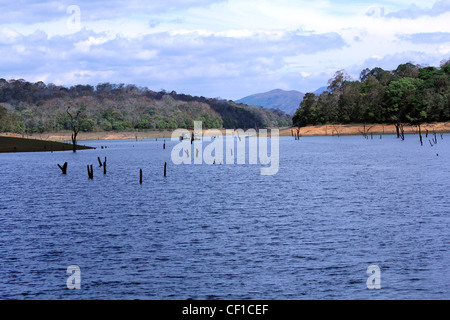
column 74, row 20
column 190, row 148
column 374, row 280
column 74, row 280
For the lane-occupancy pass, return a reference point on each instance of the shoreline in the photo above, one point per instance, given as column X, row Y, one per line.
column 320, row 130
column 370, row 129
column 13, row 144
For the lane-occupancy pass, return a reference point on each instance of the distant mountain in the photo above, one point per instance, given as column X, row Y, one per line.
column 27, row 107
column 319, row 91
column 287, row 101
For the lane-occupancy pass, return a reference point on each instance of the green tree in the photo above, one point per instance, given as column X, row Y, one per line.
column 336, row 84
column 372, row 106
column 303, row 116
column 349, row 102
column 5, row 120
column 87, row 125
column 403, row 101
column 407, row 70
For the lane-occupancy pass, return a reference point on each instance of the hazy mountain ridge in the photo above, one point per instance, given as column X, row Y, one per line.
column 321, row 90
column 27, row 107
column 287, row 101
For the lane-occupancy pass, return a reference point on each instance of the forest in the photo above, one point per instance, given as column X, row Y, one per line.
column 411, row 94
column 28, row 108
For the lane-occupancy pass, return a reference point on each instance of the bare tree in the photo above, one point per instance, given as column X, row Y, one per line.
column 365, row 133
column 399, row 126
column 420, row 133
column 336, row 130
column 74, row 123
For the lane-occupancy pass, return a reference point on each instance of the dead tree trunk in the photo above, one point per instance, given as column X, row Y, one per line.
column 140, row 176
column 165, row 168
column 420, row 136
column 104, row 166
column 100, row 164
column 90, row 171
column 335, row 130
column 63, row 168
column 74, row 141
column 75, row 128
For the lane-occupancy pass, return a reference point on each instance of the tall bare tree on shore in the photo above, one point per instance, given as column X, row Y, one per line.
column 75, row 125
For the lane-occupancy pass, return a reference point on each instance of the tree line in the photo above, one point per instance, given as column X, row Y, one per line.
column 411, row 94
column 28, row 108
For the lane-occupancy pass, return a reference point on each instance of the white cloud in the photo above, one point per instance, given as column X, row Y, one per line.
column 34, row 11
column 217, row 48
column 85, row 45
column 414, row 11
column 427, row 37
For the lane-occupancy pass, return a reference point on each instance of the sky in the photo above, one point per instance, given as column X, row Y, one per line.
column 219, row 49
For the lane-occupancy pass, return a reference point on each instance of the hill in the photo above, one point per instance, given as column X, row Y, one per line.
column 411, row 94
column 29, row 108
column 287, row 101
column 321, row 90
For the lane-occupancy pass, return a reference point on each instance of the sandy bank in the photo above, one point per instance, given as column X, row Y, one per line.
column 356, row 129
column 322, row 130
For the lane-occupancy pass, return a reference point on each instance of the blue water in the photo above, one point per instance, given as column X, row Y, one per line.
column 336, row 206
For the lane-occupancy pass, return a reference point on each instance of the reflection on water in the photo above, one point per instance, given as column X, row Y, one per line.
column 336, row 206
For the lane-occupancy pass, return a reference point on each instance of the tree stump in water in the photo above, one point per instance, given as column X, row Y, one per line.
column 63, row 168
column 90, row 172
column 420, row 136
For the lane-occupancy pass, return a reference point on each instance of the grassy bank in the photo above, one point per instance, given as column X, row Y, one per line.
column 14, row 144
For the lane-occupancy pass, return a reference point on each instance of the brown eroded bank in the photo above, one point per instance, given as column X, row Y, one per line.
column 358, row 129
column 321, row 130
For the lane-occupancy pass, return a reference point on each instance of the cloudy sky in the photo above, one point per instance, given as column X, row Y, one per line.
column 228, row 49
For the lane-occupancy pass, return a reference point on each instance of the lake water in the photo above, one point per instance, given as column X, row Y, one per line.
column 337, row 206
